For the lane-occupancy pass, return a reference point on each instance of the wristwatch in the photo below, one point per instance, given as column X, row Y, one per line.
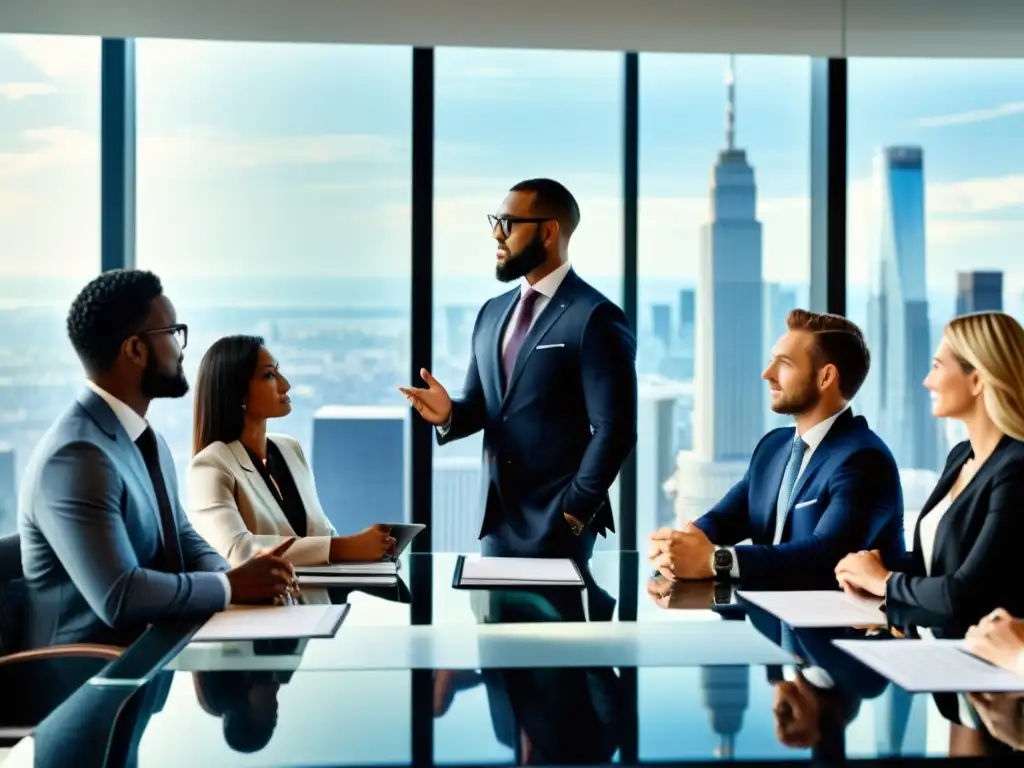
column 721, row 563
column 576, row 528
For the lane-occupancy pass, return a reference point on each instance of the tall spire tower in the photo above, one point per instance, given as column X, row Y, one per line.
column 730, row 104
column 729, row 394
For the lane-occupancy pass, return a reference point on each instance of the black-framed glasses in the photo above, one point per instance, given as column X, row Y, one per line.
column 179, row 331
column 506, row 222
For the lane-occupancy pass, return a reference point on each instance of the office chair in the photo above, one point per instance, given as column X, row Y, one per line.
column 44, row 677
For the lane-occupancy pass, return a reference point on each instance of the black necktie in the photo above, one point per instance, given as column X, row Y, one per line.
column 173, row 561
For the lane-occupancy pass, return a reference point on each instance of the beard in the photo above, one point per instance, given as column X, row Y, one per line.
column 157, row 384
column 800, row 401
column 523, row 263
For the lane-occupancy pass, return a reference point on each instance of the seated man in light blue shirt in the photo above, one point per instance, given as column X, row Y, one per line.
column 105, row 545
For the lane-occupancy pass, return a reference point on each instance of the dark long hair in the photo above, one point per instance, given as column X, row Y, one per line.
column 223, row 381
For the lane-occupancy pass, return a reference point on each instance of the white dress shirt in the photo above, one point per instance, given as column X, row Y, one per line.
column 546, row 287
column 135, row 425
column 812, row 439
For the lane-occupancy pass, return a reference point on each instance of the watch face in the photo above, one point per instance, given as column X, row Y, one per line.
column 723, row 560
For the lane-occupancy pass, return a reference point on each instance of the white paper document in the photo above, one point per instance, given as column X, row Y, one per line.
column 333, row 580
column 518, row 571
column 932, row 666
column 272, row 623
column 818, row 608
column 385, row 568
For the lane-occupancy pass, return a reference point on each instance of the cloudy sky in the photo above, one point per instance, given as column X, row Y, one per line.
column 294, row 159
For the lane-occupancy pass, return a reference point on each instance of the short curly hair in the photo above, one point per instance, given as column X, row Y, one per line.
column 108, row 310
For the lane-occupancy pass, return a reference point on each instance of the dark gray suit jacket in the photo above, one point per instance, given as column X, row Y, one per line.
column 91, row 537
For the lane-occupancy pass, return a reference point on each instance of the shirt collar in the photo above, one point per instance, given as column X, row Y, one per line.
column 813, row 436
column 548, row 284
column 133, row 424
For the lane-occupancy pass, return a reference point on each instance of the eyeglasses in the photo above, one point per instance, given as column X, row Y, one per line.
column 179, row 331
column 506, row 222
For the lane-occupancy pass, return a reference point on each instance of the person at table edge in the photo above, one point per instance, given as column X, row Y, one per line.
column 809, row 492
column 969, row 532
column 551, row 383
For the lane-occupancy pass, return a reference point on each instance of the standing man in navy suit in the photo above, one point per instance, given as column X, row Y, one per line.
column 551, row 382
column 811, row 494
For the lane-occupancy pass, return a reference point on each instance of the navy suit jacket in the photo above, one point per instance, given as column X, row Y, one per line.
column 556, row 437
column 91, row 537
column 847, row 499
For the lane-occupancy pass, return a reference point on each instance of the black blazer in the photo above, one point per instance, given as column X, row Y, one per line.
column 978, row 543
column 556, row 437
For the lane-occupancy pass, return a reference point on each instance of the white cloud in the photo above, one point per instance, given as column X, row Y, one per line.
column 54, row 148
column 185, row 152
column 61, row 57
column 20, row 91
column 973, row 116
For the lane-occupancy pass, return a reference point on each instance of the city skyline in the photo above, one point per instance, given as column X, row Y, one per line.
column 49, row 96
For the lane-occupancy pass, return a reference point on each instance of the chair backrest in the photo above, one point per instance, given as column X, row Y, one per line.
column 11, row 593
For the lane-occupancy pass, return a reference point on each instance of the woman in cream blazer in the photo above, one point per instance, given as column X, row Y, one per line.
column 249, row 490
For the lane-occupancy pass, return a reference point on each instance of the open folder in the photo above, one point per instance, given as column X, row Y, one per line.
column 275, row 622
column 475, row 571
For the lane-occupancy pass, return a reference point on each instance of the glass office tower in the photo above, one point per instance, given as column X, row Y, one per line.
column 898, row 332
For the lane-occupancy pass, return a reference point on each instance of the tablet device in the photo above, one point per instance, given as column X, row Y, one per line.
column 403, row 534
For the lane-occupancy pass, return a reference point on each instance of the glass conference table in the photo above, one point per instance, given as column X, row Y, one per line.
column 624, row 671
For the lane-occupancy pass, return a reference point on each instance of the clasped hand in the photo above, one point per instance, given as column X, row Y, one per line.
column 862, row 574
column 684, row 554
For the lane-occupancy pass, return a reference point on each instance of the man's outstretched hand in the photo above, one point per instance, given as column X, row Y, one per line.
column 433, row 402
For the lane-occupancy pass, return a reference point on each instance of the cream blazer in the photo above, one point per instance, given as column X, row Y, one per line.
column 232, row 508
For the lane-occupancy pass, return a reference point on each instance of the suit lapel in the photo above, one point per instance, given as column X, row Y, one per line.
column 257, row 486
column 126, row 449
column 776, row 469
column 835, row 432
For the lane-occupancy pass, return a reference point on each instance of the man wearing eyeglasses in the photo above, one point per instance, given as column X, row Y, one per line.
column 106, row 548
column 551, row 383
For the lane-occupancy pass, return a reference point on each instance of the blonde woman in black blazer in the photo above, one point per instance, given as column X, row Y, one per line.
column 969, row 538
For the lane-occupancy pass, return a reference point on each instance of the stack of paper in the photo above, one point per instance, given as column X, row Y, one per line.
column 477, row 571
column 272, row 623
column 348, row 574
column 819, row 608
column 932, row 666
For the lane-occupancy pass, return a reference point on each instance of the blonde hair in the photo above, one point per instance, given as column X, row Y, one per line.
column 992, row 343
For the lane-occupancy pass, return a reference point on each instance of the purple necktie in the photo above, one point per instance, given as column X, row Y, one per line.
column 523, row 321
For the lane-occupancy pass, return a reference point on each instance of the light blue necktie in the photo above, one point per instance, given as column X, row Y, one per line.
column 796, row 456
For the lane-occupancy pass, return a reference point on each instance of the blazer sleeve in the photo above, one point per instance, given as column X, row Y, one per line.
column 608, row 368
column 214, row 512
column 982, row 581
column 80, row 514
column 469, row 412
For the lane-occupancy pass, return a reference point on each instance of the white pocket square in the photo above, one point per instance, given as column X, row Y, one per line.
column 805, row 503
column 549, row 346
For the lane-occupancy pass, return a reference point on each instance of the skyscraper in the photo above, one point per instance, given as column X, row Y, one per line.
column 661, row 324
column 687, row 316
column 729, row 392
column 979, row 292
column 359, row 460
column 898, row 332
column 655, row 453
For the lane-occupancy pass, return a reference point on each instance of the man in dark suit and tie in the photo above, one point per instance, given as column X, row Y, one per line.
column 105, row 545
column 551, row 382
column 811, row 494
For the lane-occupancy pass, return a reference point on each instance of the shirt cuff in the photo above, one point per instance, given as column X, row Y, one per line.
column 734, row 572
column 1019, row 666
column 443, row 429
column 818, row 677
column 227, row 587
